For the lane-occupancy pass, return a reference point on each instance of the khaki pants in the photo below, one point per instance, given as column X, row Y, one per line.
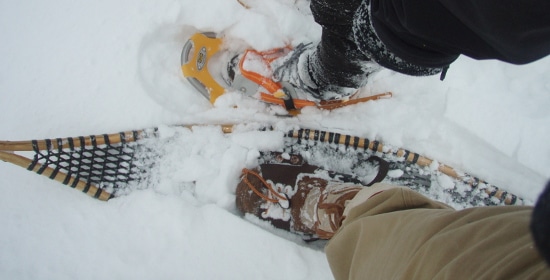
column 400, row 234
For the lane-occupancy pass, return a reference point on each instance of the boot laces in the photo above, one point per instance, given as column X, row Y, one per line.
column 273, row 196
column 332, row 209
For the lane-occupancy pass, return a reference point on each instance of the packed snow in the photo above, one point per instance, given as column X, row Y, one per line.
column 73, row 68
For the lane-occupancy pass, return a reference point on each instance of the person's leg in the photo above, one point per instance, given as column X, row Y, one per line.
column 338, row 66
column 368, row 41
column 337, row 62
column 416, row 37
column 432, row 33
column 399, row 233
column 390, row 232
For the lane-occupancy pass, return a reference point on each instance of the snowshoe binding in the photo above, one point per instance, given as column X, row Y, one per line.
column 250, row 73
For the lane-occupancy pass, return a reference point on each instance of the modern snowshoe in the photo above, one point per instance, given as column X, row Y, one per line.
column 247, row 72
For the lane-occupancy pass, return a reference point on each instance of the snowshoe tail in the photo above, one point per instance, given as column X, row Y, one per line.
column 196, row 53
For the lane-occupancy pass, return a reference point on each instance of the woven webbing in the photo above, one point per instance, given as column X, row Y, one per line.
column 417, row 172
column 107, row 166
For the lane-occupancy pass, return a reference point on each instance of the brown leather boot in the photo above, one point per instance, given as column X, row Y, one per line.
column 295, row 196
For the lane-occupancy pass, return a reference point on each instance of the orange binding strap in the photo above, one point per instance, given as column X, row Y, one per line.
column 276, row 94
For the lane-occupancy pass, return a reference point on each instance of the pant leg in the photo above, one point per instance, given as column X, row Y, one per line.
column 430, row 32
column 423, row 37
column 400, row 234
column 338, row 62
column 374, row 43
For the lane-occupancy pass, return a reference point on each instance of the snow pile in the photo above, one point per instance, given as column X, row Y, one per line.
column 77, row 68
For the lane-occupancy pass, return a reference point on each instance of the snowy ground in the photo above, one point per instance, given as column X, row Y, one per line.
column 74, row 68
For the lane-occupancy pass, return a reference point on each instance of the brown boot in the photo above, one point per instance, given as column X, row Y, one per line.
column 318, row 206
column 297, row 197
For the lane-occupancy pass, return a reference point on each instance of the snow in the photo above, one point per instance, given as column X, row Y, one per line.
column 74, row 68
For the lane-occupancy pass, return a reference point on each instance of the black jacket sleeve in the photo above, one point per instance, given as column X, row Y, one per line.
column 515, row 31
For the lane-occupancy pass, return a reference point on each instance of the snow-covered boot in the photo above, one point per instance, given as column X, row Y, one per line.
column 295, row 196
column 294, row 69
column 297, row 69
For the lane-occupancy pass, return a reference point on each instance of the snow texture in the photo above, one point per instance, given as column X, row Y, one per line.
column 74, row 68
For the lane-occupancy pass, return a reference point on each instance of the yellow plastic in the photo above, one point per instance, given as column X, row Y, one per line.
column 197, row 67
